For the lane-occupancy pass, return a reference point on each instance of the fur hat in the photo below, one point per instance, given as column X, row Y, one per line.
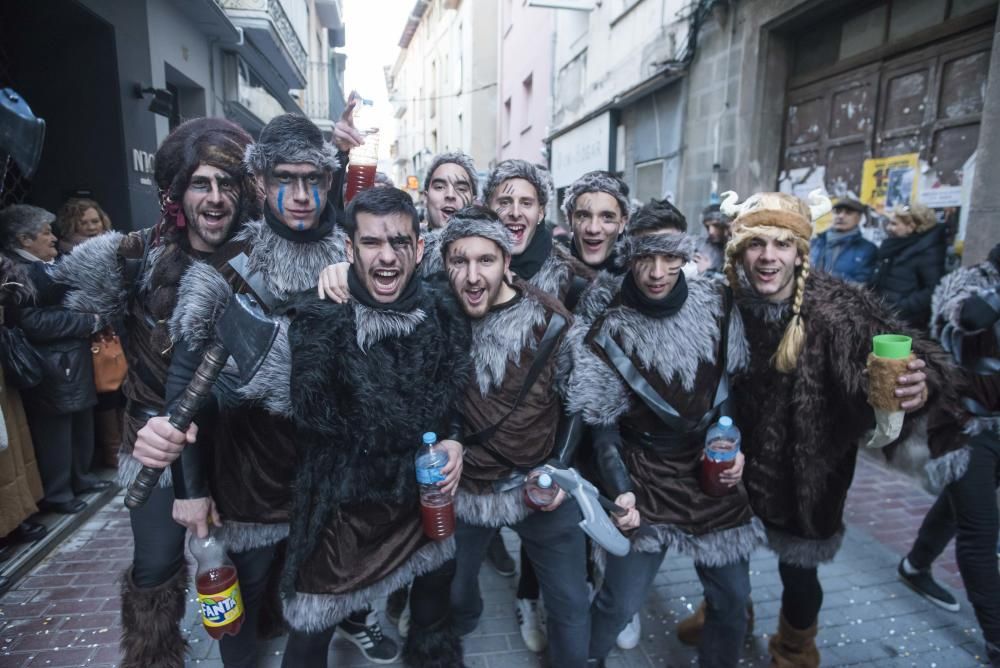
column 713, row 214
column 677, row 244
column 290, row 138
column 783, row 217
column 521, row 169
column 476, row 221
column 457, row 158
column 597, row 181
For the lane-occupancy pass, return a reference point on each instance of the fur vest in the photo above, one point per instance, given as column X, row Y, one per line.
column 367, row 384
column 679, row 357
column 504, row 345
column 801, row 430
column 253, row 441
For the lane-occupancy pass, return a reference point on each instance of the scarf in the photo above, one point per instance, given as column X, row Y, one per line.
column 634, row 298
column 527, row 264
column 408, row 299
column 835, row 243
column 320, row 231
column 31, row 258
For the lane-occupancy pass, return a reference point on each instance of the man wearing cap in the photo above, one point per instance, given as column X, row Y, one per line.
column 512, row 417
column 652, row 354
column 841, row 251
column 802, row 404
column 710, row 255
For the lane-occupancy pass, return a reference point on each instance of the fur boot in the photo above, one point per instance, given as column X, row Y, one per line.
column 108, row 427
column 793, row 648
column 689, row 628
column 151, row 622
column 436, row 646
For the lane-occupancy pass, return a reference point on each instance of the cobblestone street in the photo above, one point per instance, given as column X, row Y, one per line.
column 65, row 613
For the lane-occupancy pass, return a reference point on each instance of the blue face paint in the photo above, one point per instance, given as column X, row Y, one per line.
column 302, row 226
column 316, row 198
column 281, row 200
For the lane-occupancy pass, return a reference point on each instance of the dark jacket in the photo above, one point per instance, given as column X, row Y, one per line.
column 907, row 270
column 62, row 338
column 854, row 263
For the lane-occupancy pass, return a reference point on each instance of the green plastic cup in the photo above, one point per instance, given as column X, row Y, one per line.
column 891, row 346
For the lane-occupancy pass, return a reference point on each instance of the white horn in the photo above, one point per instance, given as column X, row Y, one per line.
column 728, row 205
column 819, row 204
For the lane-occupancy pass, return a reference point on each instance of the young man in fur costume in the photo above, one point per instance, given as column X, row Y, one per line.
column 597, row 209
column 516, row 331
column 370, row 376
column 450, row 184
column 965, row 313
column 802, row 405
column 132, row 281
column 643, row 343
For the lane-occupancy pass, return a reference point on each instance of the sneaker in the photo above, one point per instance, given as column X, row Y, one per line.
column 395, row 604
column 499, row 558
column 629, row 636
column 924, row 584
column 367, row 636
column 529, row 618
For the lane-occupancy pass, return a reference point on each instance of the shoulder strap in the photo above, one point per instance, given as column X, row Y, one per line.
column 546, row 347
column 136, row 267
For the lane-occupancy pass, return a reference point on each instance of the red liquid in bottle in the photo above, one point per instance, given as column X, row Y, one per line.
column 359, row 177
column 711, row 467
column 221, row 602
column 438, row 521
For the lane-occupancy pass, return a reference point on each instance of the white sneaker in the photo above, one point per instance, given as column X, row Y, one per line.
column 530, row 618
column 629, row 637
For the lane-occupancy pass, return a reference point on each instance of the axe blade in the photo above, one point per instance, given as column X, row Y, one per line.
column 247, row 334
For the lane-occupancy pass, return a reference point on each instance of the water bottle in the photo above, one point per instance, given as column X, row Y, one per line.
column 437, row 511
column 722, row 444
column 539, row 489
column 218, row 586
column 364, row 158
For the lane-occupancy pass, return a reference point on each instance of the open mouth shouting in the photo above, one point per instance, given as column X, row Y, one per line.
column 518, row 231
column 214, row 219
column 474, row 296
column 386, row 281
column 767, row 275
column 447, row 212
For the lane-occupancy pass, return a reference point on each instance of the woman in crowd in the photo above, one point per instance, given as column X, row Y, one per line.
column 80, row 219
column 59, row 408
column 910, row 263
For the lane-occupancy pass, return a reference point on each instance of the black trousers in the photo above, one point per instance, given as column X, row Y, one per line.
column 967, row 511
column 158, row 541
column 253, row 567
column 64, row 448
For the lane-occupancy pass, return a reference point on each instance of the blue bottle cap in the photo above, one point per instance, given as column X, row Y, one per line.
column 430, row 438
column 725, row 421
column 544, row 481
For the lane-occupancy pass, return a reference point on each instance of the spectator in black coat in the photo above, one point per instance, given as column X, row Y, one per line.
column 59, row 409
column 910, row 263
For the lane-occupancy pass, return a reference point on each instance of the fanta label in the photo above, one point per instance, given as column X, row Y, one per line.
column 222, row 608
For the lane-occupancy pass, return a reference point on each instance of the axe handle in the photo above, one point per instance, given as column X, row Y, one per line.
column 197, row 391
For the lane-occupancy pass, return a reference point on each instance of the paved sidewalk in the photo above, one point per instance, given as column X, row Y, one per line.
column 66, row 612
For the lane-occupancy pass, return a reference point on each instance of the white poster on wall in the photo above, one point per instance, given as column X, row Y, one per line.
column 581, row 150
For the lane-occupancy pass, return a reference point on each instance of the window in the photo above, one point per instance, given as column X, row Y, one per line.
column 505, row 127
column 526, row 115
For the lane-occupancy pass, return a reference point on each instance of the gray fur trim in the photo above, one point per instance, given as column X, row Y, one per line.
column 663, row 243
column 554, row 272
column 243, row 536
column 270, row 385
column 499, row 338
column 499, row 509
column 201, row 300
column 374, row 324
column 289, row 267
column 594, row 182
column 978, row 425
column 714, row 549
column 520, row 169
column 433, row 260
column 460, row 227
column 456, row 158
column 316, row 612
column 260, row 158
column 948, row 468
column 128, row 471
column 94, row 276
column 954, row 289
column 803, row 552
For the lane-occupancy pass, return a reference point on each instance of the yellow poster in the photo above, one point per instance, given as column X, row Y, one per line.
column 889, row 182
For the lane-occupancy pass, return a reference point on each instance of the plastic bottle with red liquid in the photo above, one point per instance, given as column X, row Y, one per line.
column 540, row 489
column 363, row 161
column 218, row 586
column 722, row 444
column 437, row 508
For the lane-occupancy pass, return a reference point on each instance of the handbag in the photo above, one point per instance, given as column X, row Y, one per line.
column 110, row 366
column 22, row 364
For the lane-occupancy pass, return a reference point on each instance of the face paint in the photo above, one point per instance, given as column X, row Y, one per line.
column 281, row 200
column 316, row 197
column 302, row 226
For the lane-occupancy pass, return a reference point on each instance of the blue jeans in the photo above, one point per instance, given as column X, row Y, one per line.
column 557, row 549
column 627, row 581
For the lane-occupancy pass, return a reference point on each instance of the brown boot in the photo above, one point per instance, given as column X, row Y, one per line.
column 793, row 648
column 108, row 428
column 689, row 628
column 151, row 622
